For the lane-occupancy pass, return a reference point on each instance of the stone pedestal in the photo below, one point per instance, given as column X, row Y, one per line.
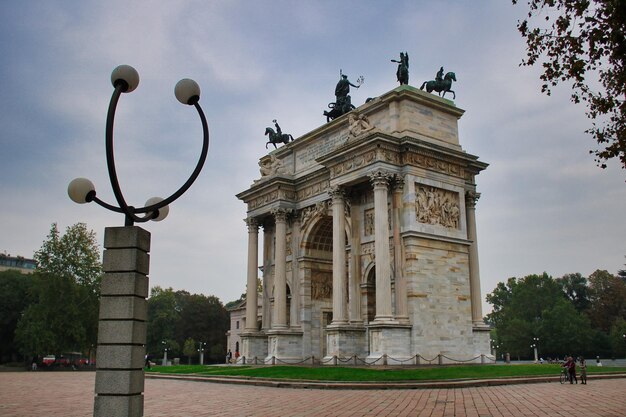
column 284, row 345
column 392, row 340
column 122, row 323
column 254, row 344
column 344, row 342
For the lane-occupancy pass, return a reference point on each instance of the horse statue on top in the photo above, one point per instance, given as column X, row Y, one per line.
column 440, row 84
column 277, row 136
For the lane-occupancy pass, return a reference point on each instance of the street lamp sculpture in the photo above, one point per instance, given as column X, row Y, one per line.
column 534, row 346
column 201, row 348
column 124, row 289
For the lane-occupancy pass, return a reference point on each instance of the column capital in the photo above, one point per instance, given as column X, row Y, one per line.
column 380, row 178
column 471, row 197
column 336, row 193
column 253, row 224
column 280, row 214
column 398, row 183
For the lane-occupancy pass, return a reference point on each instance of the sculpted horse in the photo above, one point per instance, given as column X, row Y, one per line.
column 442, row 86
column 277, row 138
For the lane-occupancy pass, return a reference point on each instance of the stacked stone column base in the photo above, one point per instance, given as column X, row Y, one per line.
column 284, row 346
column 122, row 323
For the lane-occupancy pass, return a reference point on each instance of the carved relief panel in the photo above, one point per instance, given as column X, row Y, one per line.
column 437, row 206
column 321, row 285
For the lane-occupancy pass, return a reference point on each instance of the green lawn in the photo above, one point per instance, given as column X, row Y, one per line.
column 331, row 373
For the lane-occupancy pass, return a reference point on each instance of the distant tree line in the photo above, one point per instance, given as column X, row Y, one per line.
column 55, row 309
column 184, row 323
column 571, row 315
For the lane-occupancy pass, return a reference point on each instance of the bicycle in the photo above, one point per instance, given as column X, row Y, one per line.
column 564, row 376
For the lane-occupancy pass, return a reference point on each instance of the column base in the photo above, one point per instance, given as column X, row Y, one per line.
column 254, row 345
column 344, row 341
column 284, row 346
column 391, row 342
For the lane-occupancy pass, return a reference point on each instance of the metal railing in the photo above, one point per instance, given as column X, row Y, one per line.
column 355, row 360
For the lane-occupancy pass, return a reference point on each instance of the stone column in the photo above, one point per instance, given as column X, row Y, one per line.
column 266, row 322
column 380, row 181
column 253, row 266
column 295, row 273
column 280, row 273
column 339, row 255
column 402, row 314
column 470, row 209
column 122, row 323
column 354, row 294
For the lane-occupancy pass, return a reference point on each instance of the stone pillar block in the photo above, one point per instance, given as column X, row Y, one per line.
column 126, row 382
column 120, row 357
column 106, row 405
column 123, row 307
column 125, row 283
column 121, row 332
column 125, row 260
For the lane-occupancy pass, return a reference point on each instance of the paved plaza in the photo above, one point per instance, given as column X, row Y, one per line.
column 70, row 394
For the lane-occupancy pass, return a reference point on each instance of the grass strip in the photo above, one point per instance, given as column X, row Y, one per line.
column 344, row 374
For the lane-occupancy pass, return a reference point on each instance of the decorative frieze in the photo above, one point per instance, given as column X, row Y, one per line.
column 270, row 197
column 354, row 162
column 437, row 206
column 312, row 190
column 433, row 164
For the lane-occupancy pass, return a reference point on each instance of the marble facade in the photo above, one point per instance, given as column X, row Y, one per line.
column 369, row 239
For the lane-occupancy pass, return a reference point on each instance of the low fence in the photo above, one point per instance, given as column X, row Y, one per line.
column 354, row 360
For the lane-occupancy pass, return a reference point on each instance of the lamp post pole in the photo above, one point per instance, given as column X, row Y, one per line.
column 124, row 288
column 201, row 350
column 494, row 349
column 164, row 363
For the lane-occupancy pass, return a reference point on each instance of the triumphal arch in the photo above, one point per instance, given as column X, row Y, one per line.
column 369, row 239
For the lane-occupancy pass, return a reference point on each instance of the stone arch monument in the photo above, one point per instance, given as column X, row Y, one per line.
column 373, row 231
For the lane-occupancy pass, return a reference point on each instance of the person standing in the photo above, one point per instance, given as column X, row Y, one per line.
column 229, row 356
column 571, row 368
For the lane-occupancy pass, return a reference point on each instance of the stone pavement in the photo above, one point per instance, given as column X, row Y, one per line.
column 70, row 394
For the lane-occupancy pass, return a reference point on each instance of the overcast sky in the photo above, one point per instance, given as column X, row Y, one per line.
column 545, row 206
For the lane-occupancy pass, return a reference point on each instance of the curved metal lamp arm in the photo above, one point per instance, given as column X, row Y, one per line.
column 194, row 174
column 129, row 211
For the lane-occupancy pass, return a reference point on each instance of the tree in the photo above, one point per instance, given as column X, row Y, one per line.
column 575, row 39
column 55, row 322
column 618, row 338
column 163, row 317
column 565, row 330
column 15, row 297
column 190, row 348
column 64, row 314
column 608, row 299
column 537, row 306
column 576, row 290
column 74, row 254
column 175, row 316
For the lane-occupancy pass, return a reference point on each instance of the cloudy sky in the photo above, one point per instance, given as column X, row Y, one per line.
column 545, row 206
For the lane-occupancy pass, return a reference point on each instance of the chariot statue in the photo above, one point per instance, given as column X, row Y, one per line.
column 343, row 101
